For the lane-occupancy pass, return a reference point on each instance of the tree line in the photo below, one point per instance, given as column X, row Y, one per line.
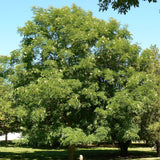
column 78, row 80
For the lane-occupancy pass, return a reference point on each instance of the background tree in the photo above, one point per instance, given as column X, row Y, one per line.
column 117, row 61
column 8, row 118
column 150, row 63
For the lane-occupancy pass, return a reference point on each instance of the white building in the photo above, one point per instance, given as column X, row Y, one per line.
column 11, row 136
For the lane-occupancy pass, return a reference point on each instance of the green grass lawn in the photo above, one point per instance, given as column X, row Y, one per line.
column 95, row 153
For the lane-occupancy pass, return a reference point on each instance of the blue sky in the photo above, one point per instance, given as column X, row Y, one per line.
column 143, row 22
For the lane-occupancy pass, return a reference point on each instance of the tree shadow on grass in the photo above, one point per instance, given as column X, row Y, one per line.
column 97, row 154
column 113, row 154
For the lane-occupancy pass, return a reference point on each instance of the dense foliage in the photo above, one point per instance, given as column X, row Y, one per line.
column 79, row 80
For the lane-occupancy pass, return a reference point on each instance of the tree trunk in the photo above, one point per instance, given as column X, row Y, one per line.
column 158, row 147
column 6, row 138
column 71, row 151
column 124, row 147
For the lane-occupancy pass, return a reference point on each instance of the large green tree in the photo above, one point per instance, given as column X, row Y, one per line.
column 55, row 77
column 75, row 79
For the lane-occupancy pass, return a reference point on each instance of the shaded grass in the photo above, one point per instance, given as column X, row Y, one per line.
column 94, row 153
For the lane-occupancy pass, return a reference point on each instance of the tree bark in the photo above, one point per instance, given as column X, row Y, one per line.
column 124, row 147
column 71, row 151
column 6, row 138
column 158, row 147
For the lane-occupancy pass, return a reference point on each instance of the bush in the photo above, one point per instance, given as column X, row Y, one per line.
column 21, row 142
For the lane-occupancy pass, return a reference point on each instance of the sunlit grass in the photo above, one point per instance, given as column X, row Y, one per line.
column 26, row 150
column 15, row 153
